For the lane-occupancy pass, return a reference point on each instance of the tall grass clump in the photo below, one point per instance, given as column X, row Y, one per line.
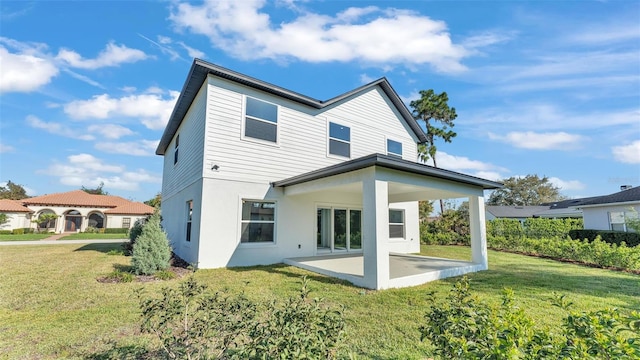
column 151, row 251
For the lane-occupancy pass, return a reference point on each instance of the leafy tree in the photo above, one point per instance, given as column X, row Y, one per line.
column 13, row 191
column 155, row 201
column 3, row 219
column 151, row 250
column 433, row 108
column 425, row 208
column 524, row 191
column 97, row 191
column 631, row 218
column 45, row 220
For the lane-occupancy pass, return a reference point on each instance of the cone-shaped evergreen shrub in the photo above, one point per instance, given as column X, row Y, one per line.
column 151, row 251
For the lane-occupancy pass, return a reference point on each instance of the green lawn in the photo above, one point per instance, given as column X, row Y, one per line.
column 85, row 236
column 52, row 307
column 24, row 237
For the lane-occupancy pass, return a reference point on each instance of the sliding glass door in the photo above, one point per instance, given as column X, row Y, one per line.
column 339, row 229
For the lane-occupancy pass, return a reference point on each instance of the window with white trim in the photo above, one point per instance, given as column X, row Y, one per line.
column 618, row 220
column 394, row 148
column 258, row 221
column 189, row 217
column 261, row 120
column 126, row 223
column 396, row 224
column 339, row 140
column 175, row 149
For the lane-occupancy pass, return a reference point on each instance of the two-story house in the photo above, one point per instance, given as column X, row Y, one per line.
column 258, row 174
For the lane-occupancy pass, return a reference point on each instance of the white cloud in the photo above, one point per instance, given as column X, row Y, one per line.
column 135, row 148
column 365, row 79
column 489, row 175
column 606, row 33
column 24, row 72
column 112, row 55
column 110, row 131
column 629, row 153
column 540, row 141
column 567, row 185
column 4, row 148
column 371, row 35
column 153, row 109
column 89, row 171
column 56, row 128
column 84, row 78
column 193, row 52
column 453, row 162
column 163, row 44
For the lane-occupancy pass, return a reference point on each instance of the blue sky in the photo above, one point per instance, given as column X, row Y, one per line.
column 547, row 87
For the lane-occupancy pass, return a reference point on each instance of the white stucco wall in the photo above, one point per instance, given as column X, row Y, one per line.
column 597, row 218
column 16, row 220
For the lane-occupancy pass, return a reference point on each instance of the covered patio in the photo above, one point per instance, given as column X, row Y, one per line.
column 380, row 180
column 404, row 269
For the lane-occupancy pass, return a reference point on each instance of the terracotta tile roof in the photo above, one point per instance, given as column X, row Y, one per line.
column 132, row 208
column 117, row 204
column 13, row 206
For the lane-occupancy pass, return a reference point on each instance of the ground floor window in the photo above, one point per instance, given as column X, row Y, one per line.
column 126, row 223
column 189, row 216
column 396, row 224
column 617, row 219
column 96, row 220
column 258, row 221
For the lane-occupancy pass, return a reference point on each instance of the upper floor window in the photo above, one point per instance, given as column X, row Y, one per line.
column 261, row 121
column 258, row 221
column 189, row 217
column 175, row 149
column 394, row 148
column 396, row 223
column 339, row 140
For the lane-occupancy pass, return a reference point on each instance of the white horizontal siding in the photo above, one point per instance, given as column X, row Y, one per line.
column 302, row 134
column 190, row 154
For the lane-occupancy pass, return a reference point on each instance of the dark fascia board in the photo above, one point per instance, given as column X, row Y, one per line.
column 389, row 162
column 200, row 69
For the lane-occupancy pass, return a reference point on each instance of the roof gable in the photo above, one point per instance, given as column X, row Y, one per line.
column 201, row 69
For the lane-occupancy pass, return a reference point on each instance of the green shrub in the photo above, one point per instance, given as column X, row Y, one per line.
column 300, row 328
column 91, row 230
column 134, row 232
column 115, row 252
column 463, row 327
column 609, row 236
column 192, row 323
column 151, row 251
column 116, row 230
column 165, row 275
column 18, row 231
column 28, row 230
column 596, row 252
column 6, row 232
column 120, row 276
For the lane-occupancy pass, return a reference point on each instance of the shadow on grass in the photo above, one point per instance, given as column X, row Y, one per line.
column 103, row 248
column 294, row 272
column 122, row 352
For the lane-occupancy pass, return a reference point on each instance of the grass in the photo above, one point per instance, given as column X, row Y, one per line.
column 91, row 236
column 24, row 237
column 52, row 307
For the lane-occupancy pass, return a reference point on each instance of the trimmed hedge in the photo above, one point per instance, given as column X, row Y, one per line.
column 536, row 228
column 116, row 230
column 609, row 236
column 5, row 232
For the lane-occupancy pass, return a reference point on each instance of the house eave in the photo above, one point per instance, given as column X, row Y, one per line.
column 622, row 203
column 388, row 162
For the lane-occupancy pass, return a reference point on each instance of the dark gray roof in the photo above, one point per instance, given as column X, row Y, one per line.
column 390, row 162
column 628, row 195
column 515, row 211
column 200, row 69
column 563, row 204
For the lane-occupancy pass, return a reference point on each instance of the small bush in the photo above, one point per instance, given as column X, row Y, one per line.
column 6, row 232
column 134, row 232
column 463, row 327
column 91, row 230
column 120, row 276
column 151, row 251
column 28, row 230
column 116, row 230
column 18, row 231
column 165, row 275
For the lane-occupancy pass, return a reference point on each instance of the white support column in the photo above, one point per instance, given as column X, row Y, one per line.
column 375, row 214
column 478, row 231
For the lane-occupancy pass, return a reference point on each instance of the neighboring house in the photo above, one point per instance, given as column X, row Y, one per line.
column 258, row 174
column 559, row 210
column 520, row 213
column 76, row 210
column 608, row 212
